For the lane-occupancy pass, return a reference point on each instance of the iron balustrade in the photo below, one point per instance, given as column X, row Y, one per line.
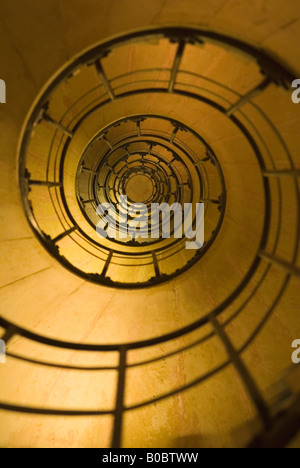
column 240, row 110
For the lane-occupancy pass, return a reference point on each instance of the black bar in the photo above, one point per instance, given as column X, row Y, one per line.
column 44, row 183
column 119, row 411
column 86, row 169
column 89, row 201
column 245, row 375
column 174, row 134
column 288, row 267
column 107, row 142
column 252, row 94
column 57, row 125
column 176, row 65
column 104, row 271
column 155, row 263
column 64, row 234
column 111, row 168
column 202, row 161
column 8, row 334
column 105, row 80
column 171, row 162
column 208, row 200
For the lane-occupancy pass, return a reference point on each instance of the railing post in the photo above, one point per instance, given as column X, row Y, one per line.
column 119, row 409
